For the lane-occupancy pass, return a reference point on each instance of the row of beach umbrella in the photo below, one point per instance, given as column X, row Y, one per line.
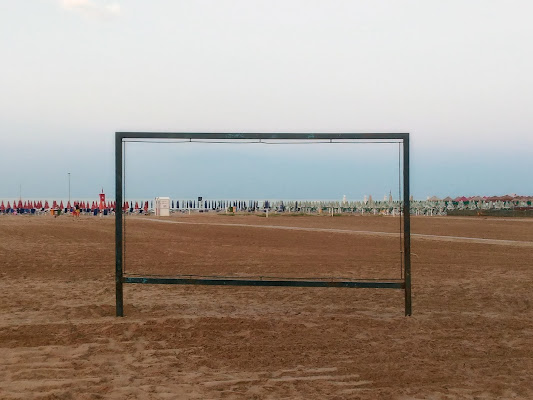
column 128, row 205
column 45, row 205
column 84, row 205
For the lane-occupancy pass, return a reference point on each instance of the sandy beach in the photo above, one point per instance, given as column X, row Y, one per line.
column 470, row 336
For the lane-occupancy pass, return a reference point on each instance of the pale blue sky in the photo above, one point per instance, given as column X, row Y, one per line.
column 457, row 75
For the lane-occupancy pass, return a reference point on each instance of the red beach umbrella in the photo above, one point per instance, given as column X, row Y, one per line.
column 61, row 205
column 8, row 205
column 20, row 204
column 46, row 205
column 146, row 206
column 2, row 207
column 136, row 205
column 68, row 205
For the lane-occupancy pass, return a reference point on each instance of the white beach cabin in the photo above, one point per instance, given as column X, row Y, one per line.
column 162, row 206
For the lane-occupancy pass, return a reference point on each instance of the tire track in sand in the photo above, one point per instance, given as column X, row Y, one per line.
column 439, row 238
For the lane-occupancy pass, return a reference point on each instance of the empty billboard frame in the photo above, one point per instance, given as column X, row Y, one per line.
column 121, row 278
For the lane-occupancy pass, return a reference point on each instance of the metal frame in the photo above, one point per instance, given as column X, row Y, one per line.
column 120, row 279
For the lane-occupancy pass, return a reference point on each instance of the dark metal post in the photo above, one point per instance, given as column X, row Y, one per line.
column 118, row 226
column 407, row 227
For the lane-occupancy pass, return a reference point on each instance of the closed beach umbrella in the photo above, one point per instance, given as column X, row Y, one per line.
column 136, row 205
column 68, row 205
column 61, row 205
column 46, row 205
column 20, row 204
column 2, row 207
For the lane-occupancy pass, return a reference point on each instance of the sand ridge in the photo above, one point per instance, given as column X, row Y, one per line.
column 498, row 242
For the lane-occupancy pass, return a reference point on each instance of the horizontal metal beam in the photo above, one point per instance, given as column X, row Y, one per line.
column 246, row 282
column 251, row 135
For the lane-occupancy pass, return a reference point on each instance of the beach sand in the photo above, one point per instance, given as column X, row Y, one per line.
column 470, row 336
